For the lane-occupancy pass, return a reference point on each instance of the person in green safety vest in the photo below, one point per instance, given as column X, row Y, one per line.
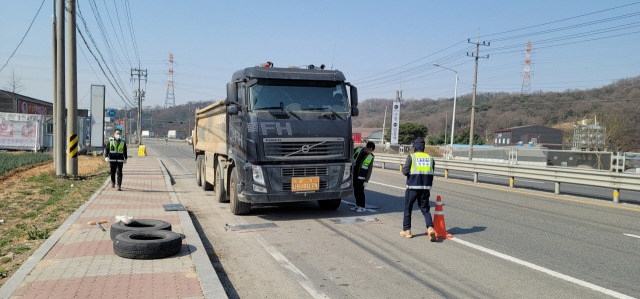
column 418, row 169
column 362, row 167
column 116, row 155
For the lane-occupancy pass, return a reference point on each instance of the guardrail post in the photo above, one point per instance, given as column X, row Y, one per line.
column 616, row 195
column 511, row 182
column 557, row 187
column 475, row 177
column 446, row 173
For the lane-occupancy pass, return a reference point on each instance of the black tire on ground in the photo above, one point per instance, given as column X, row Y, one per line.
column 146, row 245
column 329, row 204
column 221, row 194
column 198, row 170
column 237, row 207
column 138, row 225
column 206, row 186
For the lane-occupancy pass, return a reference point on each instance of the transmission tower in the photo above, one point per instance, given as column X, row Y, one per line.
column 170, row 100
column 526, row 76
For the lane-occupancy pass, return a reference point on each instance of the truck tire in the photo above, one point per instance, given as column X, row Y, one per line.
column 138, row 225
column 198, row 170
column 147, row 245
column 221, row 194
column 206, row 186
column 237, row 207
column 329, row 204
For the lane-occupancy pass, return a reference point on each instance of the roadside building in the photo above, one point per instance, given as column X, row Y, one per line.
column 17, row 103
column 529, row 135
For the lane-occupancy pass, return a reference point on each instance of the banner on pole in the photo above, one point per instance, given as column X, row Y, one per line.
column 97, row 115
column 395, row 122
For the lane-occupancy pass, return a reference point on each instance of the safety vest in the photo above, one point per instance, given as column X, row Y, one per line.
column 116, row 151
column 364, row 169
column 421, row 174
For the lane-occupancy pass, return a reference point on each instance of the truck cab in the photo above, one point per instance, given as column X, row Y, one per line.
column 288, row 137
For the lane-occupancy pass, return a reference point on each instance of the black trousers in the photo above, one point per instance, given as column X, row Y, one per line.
column 422, row 197
column 358, row 192
column 116, row 167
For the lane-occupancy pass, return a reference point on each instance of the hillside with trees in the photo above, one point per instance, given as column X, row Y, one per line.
column 616, row 106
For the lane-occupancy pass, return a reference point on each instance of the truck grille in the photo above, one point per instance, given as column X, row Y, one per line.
column 307, row 171
column 308, row 149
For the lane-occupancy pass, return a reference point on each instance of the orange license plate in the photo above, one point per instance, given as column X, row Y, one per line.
column 305, row 184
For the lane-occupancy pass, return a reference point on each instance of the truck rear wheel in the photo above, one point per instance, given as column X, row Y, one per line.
column 221, row 194
column 237, row 207
column 329, row 204
column 198, row 170
column 206, row 186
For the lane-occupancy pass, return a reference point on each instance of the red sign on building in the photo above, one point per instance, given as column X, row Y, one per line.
column 33, row 108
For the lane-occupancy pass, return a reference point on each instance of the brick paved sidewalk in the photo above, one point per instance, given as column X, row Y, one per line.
column 78, row 261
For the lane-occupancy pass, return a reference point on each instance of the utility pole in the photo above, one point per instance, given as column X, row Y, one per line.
column 55, row 82
column 59, row 113
column 142, row 75
column 72, row 91
column 475, row 85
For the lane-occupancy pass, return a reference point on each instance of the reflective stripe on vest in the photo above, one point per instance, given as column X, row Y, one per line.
column 116, row 152
column 364, row 169
column 421, row 173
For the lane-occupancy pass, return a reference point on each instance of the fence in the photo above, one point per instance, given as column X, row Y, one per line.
column 558, row 175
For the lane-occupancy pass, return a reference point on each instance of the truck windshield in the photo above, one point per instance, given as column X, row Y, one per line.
column 297, row 95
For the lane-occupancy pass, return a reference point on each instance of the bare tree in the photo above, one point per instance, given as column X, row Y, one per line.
column 14, row 83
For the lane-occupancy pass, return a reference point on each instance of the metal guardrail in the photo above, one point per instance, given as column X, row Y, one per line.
column 558, row 175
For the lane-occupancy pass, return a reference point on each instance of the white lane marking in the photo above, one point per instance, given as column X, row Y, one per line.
column 542, row 269
column 353, row 204
column 388, row 185
column 185, row 169
column 630, row 235
column 302, row 279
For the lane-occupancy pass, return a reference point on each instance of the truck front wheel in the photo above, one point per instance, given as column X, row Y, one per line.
column 329, row 204
column 237, row 207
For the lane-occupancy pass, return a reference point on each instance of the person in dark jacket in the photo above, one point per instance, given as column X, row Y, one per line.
column 418, row 169
column 362, row 167
column 116, row 155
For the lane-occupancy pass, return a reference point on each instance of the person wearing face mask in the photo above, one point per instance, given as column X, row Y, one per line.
column 116, row 155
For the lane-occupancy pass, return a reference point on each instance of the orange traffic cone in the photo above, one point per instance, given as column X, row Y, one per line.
column 438, row 221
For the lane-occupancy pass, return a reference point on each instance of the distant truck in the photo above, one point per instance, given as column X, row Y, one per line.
column 148, row 134
column 281, row 135
column 172, row 134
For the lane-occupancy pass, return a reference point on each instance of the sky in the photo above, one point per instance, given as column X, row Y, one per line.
column 380, row 46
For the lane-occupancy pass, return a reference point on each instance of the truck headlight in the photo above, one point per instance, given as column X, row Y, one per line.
column 347, row 171
column 258, row 177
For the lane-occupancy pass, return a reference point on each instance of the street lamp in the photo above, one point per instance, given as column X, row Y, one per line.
column 455, row 95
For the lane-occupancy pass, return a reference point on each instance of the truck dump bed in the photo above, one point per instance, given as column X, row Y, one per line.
column 211, row 128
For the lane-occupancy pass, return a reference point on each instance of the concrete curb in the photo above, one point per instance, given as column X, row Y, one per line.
column 211, row 285
column 17, row 278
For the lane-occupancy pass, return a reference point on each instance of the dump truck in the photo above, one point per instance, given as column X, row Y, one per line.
column 281, row 135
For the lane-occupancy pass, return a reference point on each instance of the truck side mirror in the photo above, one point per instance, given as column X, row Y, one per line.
column 232, row 92
column 232, row 109
column 354, row 100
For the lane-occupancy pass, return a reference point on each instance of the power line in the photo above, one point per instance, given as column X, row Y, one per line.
column 562, row 20
column 23, row 37
column 125, row 100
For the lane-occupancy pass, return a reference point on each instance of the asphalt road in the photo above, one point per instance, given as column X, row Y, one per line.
column 508, row 242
